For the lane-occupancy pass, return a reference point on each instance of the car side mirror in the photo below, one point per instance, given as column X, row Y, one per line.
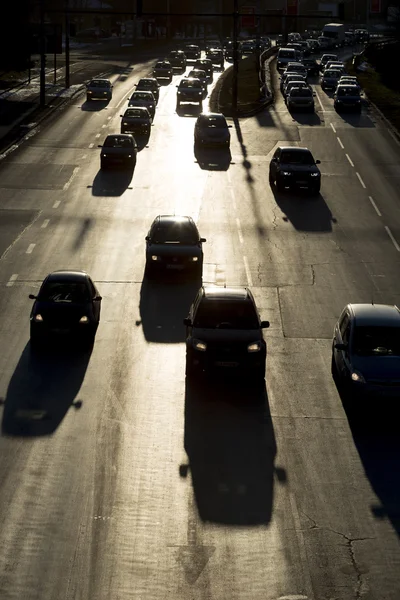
column 341, row 347
column 97, row 298
column 264, row 324
column 229, row 126
column 177, row 86
column 203, row 240
column 147, row 238
column 274, row 159
column 99, row 146
column 187, row 322
column 123, row 115
column 317, row 162
column 32, row 297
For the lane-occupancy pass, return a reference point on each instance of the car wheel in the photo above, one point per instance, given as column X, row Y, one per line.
column 271, row 180
column 87, row 98
column 103, row 165
column 191, row 371
column 279, row 186
column 149, row 272
column 315, row 190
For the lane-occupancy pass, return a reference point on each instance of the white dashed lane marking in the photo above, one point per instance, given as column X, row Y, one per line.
column 361, row 181
column 30, row 248
column 239, row 228
column 349, row 159
column 390, row 234
column 340, row 143
column 333, row 127
column 12, row 280
column 56, row 203
column 68, row 183
column 91, row 145
column 247, row 269
column 375, row 206
column 45, row 223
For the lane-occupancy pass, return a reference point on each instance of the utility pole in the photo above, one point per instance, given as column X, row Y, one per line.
column 42, row 57
column 235, row 57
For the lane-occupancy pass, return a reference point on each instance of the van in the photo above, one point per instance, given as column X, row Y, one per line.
column 285, row 55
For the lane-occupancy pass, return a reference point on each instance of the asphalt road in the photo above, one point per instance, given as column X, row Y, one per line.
column 118, row 480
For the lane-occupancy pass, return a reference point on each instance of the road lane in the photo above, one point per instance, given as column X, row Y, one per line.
column 139, row 484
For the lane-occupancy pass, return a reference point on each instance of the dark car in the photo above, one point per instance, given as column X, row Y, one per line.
column 205, row 64
column 192, row 52
column 173, row 244
column 99, row 89
column 136, row 120
column 293, row 167
column 177, row 58
column 118, row 150
column 312, row 66
column 202, row 75
column 216, row 56
column 163, row 70
column 144, row 98
column 190, row 90
column 224, row 333
column 366, row 350
column 211, row 129
column 347, row 97
column 68, row 305
column 149, row 84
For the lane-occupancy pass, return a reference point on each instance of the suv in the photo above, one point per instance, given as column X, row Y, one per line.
column 163, row 70
column 224, row 333
column 190, row 89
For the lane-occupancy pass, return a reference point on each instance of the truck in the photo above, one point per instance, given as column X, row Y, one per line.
column 335, row 32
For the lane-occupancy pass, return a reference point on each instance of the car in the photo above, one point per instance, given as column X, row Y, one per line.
column 205, row 64
column 294, row 167
column 330, row 79
column 177, row 59
column 335, row 64
column 366, row 351
column 285, row 56
column 299, row 49
column 294, row 83
column 118, row 150
column 217, row 58
column 149, row 84
column 312, row 66
column 313, row 45
column 68, row 305
column 143, row 98
column 99, row 89
column 298, row 67
column 190, row 90
column 136, row 120
column 347, row 97
column 248, row 48
column 300, row 98
column 173, row 244
column 192, row 52
column 211, row 129
column 326, row 58
column 348, row 80
column 291, row 76
column 202, row 76
column 224, row 333
column 163, row 70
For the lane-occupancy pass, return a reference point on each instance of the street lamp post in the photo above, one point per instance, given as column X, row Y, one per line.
column 235, row 57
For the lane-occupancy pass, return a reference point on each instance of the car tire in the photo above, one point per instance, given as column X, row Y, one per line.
column 279, row 186
column 103, row 165
column 315, row 190
column 271, row 180
column 87, row 98
column 191, row 371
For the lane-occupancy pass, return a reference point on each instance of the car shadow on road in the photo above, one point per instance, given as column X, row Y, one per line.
column 94, row 105
column 359, row 120
column 188, row 110
column 230, row 442
column 163, row 306
column 213, row 159
column 113, row 182
column 304, row 118
column 304, row 212
column 374, row 426
column 43, row 387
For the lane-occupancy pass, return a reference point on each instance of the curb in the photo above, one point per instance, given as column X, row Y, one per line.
column 395, row 132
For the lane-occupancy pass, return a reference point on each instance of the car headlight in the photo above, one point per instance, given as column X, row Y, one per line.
column 286, row 173
column 315, row 174
column 195, row 258
column 104, row 156
column 358, row 377
column 254, row 347
column 105, row 92
column 84, row 319
column 129, row 155
column 125, row 123
column 90, row 92
column 155, row 257
column 38, row 318
column 199, row 345
column 179, row 92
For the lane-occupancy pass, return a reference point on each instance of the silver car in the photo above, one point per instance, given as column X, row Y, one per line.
column 300, row 98
column 99, row 89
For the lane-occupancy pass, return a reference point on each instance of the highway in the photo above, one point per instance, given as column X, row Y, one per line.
column 119, row 480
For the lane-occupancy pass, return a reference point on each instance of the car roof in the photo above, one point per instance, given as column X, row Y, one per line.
column 212, row 115
column 148, row 79
column 229, row 293
column 142, row 109
column 294, row 148
column 114, row 136
column 170, row 219
column 351, row 86
column 71, row 276
column 375, row 314
column 146, row 92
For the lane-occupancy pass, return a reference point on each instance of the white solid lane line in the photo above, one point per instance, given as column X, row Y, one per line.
column 349, row 159
column 45, row 223
column 333, row 127
column 390, row 234
column 360, row 180
column 319, row 100
column 68, row 183
column 12, row 280
column 340, row 142
column 30, row 248
column 375, row 206
column 239, row 230
column 247, row 269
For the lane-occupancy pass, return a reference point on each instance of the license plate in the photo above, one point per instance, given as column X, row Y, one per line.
column 178, row 267
column 60, row 331
column 302, row 182
column 226, row 363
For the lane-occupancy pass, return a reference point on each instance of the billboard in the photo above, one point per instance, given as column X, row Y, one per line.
column 292, row 7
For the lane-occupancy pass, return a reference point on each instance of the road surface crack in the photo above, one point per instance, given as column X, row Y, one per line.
column 349, row 542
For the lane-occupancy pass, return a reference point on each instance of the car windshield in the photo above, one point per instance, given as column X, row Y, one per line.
column 135, row 112
column 348, row 91
column 286, row 54
column 175, row 233
column 141, row 96
column 214, row 122
column 221, row 314
column 99, row 83
column 300, row 93
column 376, row 341
column 118, row 142
column 294, row 157
column 147, row 85
column 197, row 73
column 332, row 74
column 186, row 83
column 64, row 291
